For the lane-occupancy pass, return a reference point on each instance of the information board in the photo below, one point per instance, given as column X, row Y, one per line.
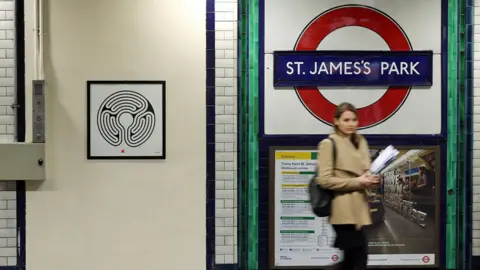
column 404, row 212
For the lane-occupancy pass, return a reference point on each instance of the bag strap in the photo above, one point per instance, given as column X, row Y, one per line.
column 334, row 151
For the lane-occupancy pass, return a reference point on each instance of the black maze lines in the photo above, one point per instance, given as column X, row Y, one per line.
column 126, row 117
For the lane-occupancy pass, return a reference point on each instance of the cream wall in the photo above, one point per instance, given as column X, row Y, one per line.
column 120, row 214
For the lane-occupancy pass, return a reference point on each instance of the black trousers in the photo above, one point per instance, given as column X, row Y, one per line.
column 354, row 245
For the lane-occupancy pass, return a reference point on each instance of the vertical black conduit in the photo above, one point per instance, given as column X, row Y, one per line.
column 20, row 124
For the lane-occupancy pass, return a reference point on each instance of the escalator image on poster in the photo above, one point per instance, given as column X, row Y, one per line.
column 403, row 208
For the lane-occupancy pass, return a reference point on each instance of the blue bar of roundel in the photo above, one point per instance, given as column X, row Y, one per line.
column 352, row 68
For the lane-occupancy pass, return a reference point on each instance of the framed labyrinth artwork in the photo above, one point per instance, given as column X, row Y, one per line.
column 125, row 120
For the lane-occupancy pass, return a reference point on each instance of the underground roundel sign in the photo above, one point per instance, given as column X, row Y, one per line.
column 360, row 16
column 426, row 259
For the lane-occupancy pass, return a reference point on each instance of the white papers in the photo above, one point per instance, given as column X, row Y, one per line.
column 386, row 156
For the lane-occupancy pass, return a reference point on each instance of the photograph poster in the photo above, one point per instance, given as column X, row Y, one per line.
column 404, row 211
column 126, row 120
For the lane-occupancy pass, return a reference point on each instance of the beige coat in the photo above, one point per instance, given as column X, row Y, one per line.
column 349, row 205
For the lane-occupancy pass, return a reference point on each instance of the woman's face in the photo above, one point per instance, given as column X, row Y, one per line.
column 347, row 123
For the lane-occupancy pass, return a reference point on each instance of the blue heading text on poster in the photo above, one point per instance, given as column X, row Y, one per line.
column 352, row 68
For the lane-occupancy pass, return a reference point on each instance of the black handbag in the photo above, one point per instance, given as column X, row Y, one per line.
column 320, row 198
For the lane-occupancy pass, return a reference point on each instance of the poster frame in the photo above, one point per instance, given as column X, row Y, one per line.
column 92, row 83
column 438, row 211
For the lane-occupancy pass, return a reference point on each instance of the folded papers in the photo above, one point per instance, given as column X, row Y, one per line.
column 386, row 157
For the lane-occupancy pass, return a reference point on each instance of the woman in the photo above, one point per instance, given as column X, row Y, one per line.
column 349, row 180
column 422, row 177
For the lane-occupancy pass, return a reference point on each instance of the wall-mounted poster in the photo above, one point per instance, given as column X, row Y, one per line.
column 126, row 120
column 404, row 209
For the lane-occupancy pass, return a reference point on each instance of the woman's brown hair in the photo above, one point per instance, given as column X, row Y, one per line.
column 341, row 108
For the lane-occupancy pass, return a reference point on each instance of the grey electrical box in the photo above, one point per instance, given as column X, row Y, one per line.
column 25, row 160
column 38, row 115
column 22, row 161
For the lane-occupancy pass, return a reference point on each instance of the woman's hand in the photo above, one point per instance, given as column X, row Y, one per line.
column 375, row 178
column 367, row 180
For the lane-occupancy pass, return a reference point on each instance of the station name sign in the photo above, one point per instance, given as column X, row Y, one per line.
column 352, row 68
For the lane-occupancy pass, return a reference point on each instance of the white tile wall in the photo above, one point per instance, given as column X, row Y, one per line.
column 226, row 131
column 476, row 136
column 8, row 231
column 7, row 67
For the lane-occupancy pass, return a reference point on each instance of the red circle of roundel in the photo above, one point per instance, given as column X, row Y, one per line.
column 361, row 16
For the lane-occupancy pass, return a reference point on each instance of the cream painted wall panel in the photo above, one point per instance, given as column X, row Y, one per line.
column 120, row 214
